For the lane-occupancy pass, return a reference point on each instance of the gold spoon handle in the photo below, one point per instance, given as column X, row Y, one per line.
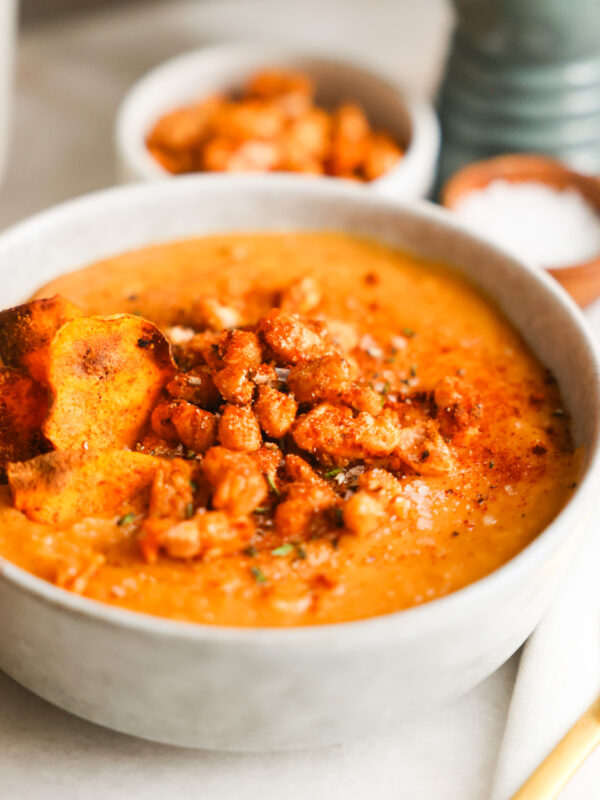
column 569, row 754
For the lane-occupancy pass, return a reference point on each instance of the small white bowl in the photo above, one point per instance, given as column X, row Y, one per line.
column 192, row 76
column 268, row 688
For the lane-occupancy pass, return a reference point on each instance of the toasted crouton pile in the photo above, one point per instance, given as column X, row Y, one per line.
column 216, row 433
column 275, row 125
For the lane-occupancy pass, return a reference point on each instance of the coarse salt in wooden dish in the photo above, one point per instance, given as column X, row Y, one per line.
column 581, row 278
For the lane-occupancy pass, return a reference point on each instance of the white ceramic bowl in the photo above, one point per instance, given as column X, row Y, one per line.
column 197, row 74
column 258, row 689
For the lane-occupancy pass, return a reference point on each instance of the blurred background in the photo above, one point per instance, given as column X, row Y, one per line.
column 77, row 58
column 40, row 10
column 507, row 77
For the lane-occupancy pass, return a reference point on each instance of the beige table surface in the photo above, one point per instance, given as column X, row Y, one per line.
column 70, row 79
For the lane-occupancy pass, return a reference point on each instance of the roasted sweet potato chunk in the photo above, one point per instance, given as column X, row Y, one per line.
column 26, row 333
column 105, row 374
column 62, row 486
column 23, row 406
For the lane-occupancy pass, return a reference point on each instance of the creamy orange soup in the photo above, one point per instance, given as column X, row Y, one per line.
column 406, row 440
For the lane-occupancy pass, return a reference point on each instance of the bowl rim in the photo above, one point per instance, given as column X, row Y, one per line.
column 408, row 622
column 425, row 136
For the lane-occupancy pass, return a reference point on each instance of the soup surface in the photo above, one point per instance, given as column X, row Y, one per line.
column 348, row 431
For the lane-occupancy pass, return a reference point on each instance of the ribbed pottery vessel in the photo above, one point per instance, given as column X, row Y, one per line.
column 522, row 76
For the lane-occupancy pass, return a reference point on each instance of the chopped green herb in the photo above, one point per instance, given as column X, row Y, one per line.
column 258, row 575
column 492, row 464
column 136, row 313
column 338, row 515
column 333, row 472
column 408, row 332
column 251, row 551
column 189, row 510
column 300, row 552
column 193, row 486
column 284, row 550
column 190, row 455
column 126, row 519
column 271, row 483
column 386, row 387
column 261, row 510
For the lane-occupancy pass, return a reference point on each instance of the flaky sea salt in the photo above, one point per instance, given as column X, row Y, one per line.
column 542, row 225
column 179, row 334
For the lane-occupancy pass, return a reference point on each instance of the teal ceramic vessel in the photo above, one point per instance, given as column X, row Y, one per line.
column 522, row 76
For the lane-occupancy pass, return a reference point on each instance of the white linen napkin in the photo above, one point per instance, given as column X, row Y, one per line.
column 558, row 678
